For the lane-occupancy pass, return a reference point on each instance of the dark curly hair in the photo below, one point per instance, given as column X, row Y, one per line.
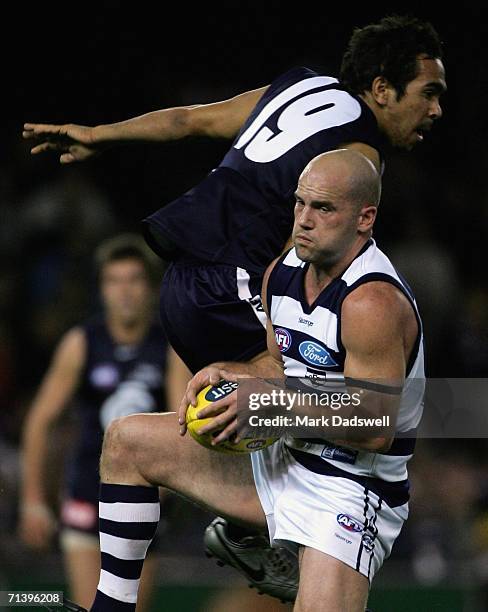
column 389, row 49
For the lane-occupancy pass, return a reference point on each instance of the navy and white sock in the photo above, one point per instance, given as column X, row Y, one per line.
column 129, row 517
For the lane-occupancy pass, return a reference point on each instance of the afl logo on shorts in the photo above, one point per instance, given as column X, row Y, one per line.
column 283, row 339
column 348, row 523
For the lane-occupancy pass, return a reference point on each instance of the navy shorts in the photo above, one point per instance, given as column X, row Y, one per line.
column 212, row 312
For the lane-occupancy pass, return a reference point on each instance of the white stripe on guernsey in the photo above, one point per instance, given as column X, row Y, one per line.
column 288, row 94
column 294, row 368
column 373, row 260
column 293, row 260
column 244, row 293
column 118, row 588
column 123, row 548
column 286, row 312
column 243, row 284
column 123, row 512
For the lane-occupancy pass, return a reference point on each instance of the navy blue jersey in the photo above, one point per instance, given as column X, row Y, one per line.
column 117, row 379
column 242, row 213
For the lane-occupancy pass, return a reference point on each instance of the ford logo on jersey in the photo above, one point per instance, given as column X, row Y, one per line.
column 283, row 339
column 315, row 354
column 348, row 523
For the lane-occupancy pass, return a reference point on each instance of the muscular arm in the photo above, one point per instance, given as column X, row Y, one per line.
column 56, row 390
column 217, row 120
column 379, row 330
column 78, row 143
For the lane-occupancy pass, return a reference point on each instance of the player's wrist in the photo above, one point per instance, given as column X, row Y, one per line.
column 104, row 136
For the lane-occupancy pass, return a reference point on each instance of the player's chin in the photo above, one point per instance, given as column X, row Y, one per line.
column 130, row 317
column 407, row 142
column 303, row 252
column 406, row 145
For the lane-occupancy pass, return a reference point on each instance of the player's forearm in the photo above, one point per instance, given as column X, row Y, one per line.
column 157, row 126
column 362, row 420
column 34, row 453
column 364, row 423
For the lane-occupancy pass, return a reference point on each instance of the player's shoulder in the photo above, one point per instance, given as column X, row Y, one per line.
column 72, row 346
column 96, row 333
column 377, row 300
column 288, row 259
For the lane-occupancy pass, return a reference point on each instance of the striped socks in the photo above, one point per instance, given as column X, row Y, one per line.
column 129, row 516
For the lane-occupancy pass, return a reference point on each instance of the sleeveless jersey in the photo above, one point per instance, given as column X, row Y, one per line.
column 241, row 214
column 309, row 338
column 117, row 379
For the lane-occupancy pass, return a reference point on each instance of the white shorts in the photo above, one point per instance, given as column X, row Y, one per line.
column 334, row 515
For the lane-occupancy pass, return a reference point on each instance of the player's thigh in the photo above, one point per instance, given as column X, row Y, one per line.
column 219, row 482
column 81, row 553
column 329, row 585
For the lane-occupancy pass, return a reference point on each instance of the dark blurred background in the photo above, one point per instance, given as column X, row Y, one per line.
column 110, row 62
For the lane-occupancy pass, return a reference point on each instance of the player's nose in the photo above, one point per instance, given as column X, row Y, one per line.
column 305, row 217
column 435, row 110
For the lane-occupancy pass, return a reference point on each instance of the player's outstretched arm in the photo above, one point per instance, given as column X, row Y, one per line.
column 76, row 143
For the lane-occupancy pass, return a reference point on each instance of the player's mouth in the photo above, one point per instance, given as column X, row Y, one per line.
column 303, row 238
column 421, row 130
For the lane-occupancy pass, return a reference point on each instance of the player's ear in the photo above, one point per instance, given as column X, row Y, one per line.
column 381, row 90
column 366, row 219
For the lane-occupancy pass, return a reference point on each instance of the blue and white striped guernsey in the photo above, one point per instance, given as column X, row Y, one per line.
column 309, row 338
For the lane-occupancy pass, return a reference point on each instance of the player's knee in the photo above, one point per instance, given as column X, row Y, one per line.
column 121, row 439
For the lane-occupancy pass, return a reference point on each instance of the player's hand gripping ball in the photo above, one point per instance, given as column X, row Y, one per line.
column 204, row 398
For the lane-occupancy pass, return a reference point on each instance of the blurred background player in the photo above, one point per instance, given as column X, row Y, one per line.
column 111, row 365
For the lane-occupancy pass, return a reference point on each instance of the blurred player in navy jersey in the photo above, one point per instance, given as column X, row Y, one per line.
column 221, row 235
column 111, row 365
